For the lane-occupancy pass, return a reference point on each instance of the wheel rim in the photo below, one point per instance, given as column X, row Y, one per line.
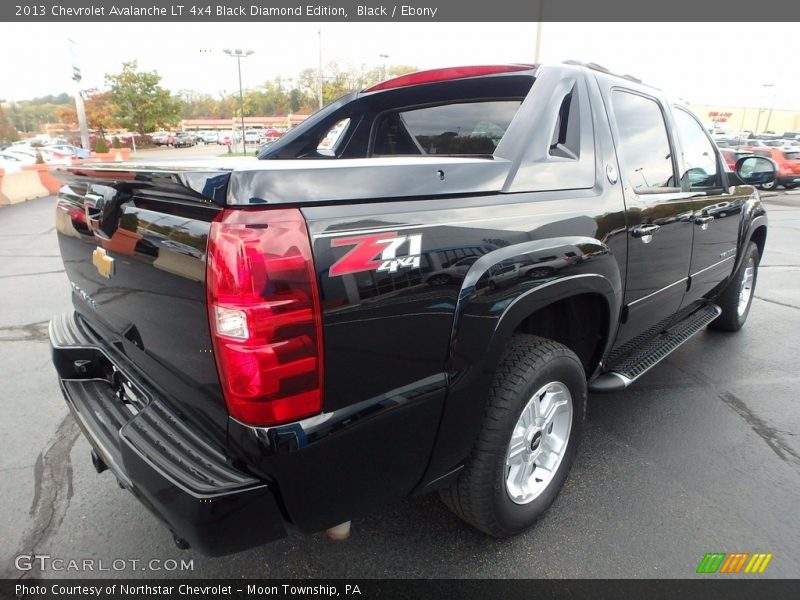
column 538, row 442
column 746, row 287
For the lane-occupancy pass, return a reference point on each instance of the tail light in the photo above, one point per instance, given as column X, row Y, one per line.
column 264, row 312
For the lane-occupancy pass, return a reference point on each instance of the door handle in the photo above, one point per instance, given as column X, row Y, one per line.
column 703, row 221
column 645, row 232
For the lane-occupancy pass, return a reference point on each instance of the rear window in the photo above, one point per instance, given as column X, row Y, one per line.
column 792, row 155
column 467, row 128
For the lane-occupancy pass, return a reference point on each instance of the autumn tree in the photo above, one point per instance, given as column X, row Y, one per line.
column 142, row 104
column 101, row 112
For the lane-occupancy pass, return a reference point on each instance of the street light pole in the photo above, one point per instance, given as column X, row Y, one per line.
column 771, row 106
column 239, row 54
column 383, row 73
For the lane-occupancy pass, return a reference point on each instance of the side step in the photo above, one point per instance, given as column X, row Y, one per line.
column 629, row 368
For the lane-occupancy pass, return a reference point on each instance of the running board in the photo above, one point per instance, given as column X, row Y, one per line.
column 629, row 368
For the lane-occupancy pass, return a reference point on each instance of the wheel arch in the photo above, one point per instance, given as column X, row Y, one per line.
column 483, row 328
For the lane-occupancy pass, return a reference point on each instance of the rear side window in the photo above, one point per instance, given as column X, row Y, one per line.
column 473, row 128
column 792, row 155
column 644, row 145
column 329, row 144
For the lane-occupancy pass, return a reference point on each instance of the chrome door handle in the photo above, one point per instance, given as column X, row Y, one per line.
column 703, row 221
column 645, row 232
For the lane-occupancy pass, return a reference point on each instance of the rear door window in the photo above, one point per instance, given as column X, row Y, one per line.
column 644, row 144
column 467, row 128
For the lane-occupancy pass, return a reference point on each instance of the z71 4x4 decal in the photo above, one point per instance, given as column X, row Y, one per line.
column 366, row 248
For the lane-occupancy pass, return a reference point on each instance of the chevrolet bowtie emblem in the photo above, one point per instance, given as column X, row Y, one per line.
column 103, row 263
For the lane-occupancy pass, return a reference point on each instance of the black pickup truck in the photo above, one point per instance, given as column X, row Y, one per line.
column 413, row 291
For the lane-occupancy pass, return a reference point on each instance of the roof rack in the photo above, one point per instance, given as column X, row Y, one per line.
column 602, row 69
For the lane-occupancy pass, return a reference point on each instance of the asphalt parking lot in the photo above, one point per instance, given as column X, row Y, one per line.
column 700, row 455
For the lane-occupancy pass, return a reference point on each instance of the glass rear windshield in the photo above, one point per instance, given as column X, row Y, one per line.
column 464, row 128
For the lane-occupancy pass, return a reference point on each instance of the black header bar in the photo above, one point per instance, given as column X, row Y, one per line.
column 404, row 11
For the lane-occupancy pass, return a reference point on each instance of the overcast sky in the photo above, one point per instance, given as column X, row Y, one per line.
column 713, row 63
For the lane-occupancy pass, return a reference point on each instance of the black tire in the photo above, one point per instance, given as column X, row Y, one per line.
column 731, row 319
column 768, row 186
column 479, row 495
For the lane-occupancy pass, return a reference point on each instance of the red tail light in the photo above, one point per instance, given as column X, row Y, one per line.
column 446, row 74
column 264, row 312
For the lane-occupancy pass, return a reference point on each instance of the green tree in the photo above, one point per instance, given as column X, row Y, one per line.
column 142, row 104
column 8, row 132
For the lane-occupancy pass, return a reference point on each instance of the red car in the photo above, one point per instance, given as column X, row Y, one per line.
column 788, row 162
column 731, row 155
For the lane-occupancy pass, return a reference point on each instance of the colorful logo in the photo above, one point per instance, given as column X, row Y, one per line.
column 734, row 563
column 364, row 255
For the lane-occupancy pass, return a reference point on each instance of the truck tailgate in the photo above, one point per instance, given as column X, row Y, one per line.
column 134, row 249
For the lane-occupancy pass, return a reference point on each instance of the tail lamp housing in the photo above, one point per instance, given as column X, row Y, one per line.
column 264, row 313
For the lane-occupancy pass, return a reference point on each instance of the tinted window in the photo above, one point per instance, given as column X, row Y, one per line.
column 699, row 158
column 644, row 145
column 465, row 128
column 791, row 155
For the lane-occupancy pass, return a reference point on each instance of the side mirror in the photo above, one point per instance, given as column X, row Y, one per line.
column 756, row 170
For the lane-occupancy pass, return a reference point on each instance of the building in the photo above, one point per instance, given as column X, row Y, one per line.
column 285, row 122
column 733, row 119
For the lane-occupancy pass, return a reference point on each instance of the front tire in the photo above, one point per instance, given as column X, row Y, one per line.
column 769, row 186
column 527, row 444
column 737, row 298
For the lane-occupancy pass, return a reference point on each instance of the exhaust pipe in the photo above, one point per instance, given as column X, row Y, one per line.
column 340, row 532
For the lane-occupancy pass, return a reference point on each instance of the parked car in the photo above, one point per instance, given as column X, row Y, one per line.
column 162, row 138
column 731, row 156
column 73, row 151
column 184, row 139
column 252, row 136
column 788, row 165
column 225, row 140
column 13, row 155
column 11, row 163
column 209, row 137
column 297, row 368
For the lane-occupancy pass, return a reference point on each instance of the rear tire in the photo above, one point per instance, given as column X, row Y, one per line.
column 493, row 492
column 737, row 298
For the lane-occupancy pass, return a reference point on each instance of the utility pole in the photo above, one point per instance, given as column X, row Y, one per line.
column 79, row 107
column 239, row 54
column 383, row 72
column 319, row 75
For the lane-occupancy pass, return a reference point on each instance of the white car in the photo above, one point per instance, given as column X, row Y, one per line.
column 252, row 136
column 28, row 155
column 24, row 155
column 11, row 163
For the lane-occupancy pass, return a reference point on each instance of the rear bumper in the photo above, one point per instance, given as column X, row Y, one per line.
column 793, row 179
column 155, row 453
